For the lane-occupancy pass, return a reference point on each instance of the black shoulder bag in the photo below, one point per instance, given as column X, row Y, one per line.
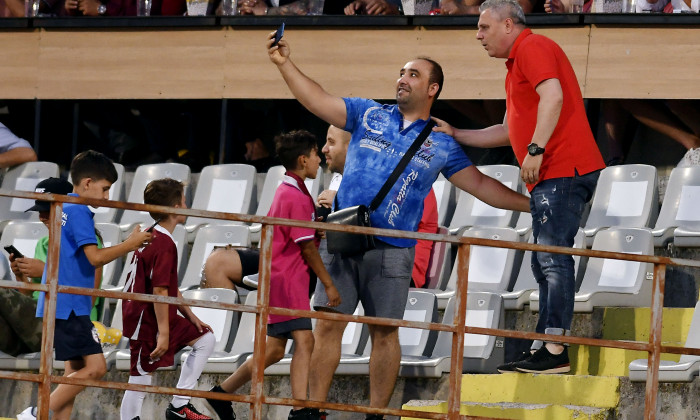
column 348, row 244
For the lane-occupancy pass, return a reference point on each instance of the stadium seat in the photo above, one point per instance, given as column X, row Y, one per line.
column 490, row 268
column 27, row 361
column 679, row 218
column 436, row 263
column 420, row 306
column 471, row 211
column 143, row 175
column 111, row 235
column 685, row 370
column 273, row 179
column 610, row 282
column 224, row 323
column 24, row 177
column 525, row 283
column 482, row 353
column 208, row 237
column 229, row 188
column 626, row 196
column 24, row 235
column 446, row 201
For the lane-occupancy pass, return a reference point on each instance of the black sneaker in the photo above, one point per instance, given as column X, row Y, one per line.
column 545, row 362
column 223, row 409
column 510, row 366
column 185, row 412
column 374, row 417
column 316, row 414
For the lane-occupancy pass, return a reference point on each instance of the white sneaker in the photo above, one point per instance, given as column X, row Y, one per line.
column 691, row 158
column 28, row 414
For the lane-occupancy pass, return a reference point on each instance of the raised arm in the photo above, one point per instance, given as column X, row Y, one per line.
column 494, row 136
column 489, row 190
column 310, row 94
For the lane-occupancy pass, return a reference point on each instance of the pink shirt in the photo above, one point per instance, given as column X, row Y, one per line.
column 289, row 278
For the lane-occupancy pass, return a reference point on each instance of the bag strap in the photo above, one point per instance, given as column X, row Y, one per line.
column 402, row 165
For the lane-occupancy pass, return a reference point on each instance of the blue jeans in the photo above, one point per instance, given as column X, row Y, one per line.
column 557, row 206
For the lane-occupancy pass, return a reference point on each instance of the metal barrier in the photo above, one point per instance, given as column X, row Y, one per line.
column 257, row 398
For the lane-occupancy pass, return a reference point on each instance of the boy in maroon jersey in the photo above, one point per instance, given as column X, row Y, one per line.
column 155, row 330
column 294, row 251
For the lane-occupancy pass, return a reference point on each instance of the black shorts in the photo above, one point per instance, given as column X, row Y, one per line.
column 284, row 329
column 250, row 263
column 75, row 337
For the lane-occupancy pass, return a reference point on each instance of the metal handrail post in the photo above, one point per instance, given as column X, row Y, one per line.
column 657, row 307
column 256, row 386
column 455, row 396
column 49, row 318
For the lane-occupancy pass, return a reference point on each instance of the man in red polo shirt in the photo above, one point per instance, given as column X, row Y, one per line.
column 546, row 125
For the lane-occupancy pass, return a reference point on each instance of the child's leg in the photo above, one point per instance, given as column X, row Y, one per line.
column 193, row 366
column 274, row 351
column 92, row 366
column 133, row 400
column 299, row 369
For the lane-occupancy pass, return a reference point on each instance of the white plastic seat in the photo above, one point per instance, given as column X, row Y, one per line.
column 224, row 323
column 24, row 235
column 229, row 188
column 470, row 211
column 525, row 283
column 208, row 237
column 145, row 174
column 24, row 177
column 490, row 268
column 436, row 263
column 610, row 282
column 446, row 199
column 482, row 353
column 420, row 306
column 685, row 370
column 626, row 196
column 27, row 361
column 679, row 218
column 111, row 235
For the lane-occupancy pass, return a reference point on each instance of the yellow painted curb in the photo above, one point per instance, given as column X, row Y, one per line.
column 518, row 411
column 601, row 391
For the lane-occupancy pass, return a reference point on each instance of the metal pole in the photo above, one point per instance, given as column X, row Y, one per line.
column 223, row 131
column 455, row 394
column 49, row 322
column 256, row 387
column 657, row 307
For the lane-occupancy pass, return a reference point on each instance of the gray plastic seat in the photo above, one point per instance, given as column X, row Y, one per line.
column 229, row 188
column 145, row 174
column 446, row 199
column 610, row 282
column 679, row 218
column 224, row 323
column 482, row 353
column 111, row 235
column 24, row 177
column 490, row 268
column 24, row 235
column 685, row 370
column 525, row 283
column 471, row 211
column 207, row 238
column 626, row 196
column 436, row 264
column 420, row 306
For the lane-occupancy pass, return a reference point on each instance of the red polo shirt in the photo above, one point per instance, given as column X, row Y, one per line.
column 532, row 60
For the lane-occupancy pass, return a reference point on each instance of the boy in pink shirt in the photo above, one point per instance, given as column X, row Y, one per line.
column 294, row 253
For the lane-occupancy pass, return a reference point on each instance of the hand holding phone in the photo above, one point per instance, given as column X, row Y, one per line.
column 278, row 34
column 12, row 250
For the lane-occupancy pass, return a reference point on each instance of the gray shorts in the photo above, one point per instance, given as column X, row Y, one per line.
column 379, row 279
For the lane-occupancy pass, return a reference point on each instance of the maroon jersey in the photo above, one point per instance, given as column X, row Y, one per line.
column 152, row 266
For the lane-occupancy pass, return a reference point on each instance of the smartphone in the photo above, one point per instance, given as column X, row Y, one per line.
column 12, row 250
column 150, row 229
column 279, row 34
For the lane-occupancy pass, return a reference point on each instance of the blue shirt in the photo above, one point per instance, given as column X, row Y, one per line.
column 375, row 149
column 74, row 269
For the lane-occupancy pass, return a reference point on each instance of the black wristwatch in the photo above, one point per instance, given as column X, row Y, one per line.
column 533, row 149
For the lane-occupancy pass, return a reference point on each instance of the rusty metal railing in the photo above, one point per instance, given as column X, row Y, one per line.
column 256, row 398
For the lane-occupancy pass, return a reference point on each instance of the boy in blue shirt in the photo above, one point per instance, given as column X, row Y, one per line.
column 75, row 338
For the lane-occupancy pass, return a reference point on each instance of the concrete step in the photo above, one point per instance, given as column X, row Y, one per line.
column 517, row 411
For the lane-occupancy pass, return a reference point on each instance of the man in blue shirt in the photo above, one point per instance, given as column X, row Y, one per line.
column 380, row 278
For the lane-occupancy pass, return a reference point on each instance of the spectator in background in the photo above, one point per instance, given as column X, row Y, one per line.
column 273, row 7
column 123, row 7
column 471, row 7
column 14, row 150
column 373, row 7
